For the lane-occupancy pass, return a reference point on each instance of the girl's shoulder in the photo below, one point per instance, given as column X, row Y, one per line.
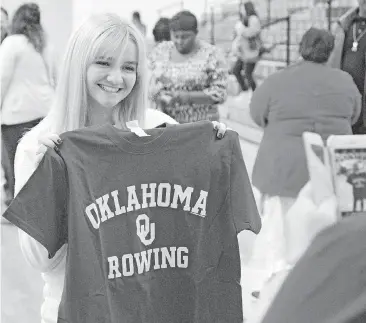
column 254, row 18
column 254, row 22
column 15, row 42
column 17, row 39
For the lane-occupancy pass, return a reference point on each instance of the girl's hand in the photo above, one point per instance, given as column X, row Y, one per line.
column 165, row 97
column 49, row 141
column 221, row 129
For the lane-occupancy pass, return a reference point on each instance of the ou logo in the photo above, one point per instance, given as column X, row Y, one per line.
column 143, row 228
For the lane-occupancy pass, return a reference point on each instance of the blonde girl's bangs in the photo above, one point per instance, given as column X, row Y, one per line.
column 111, row 44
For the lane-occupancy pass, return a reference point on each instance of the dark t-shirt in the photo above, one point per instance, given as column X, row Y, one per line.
column 151, row 223
column 328, row 284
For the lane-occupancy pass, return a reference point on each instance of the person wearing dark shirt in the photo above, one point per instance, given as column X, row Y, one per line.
column 349, row 53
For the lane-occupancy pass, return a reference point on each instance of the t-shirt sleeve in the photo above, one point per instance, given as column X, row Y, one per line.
column 40, row 207
column 242, row 202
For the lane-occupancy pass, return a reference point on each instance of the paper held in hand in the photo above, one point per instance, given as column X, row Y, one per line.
column 338, row 167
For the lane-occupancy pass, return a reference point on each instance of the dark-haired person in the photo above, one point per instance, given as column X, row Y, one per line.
column 4, row 23
column 308, row 96
column 189, row 76
column 27, row 83
column 161, row 31
column 349, row 53
column 247, row 45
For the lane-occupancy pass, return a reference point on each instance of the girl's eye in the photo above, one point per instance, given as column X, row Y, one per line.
column 102, row 63
column 130, row 68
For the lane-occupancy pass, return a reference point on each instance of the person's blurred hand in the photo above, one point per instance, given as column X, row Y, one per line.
column 49, row 141
column 221, row 129
column 165, row 97
column 305, row 220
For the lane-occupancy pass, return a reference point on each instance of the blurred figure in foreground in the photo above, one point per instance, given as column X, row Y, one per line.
column 309, row 96
column 28, row 78
column 327, row 285
column 4, row 24
column 349, row 53
column 189, row 76
column 306, row 220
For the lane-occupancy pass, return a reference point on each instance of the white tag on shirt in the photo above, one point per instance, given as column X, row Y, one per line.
column 135, row 128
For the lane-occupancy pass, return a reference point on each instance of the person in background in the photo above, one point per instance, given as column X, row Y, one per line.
column 247, row 45
column 86, row 96
column 136, row 20
column 189, row 76
column 161, row 31
column 349, row 53
column 4, row 23
column 28, row 78
column 357, row 178
column 308, row 96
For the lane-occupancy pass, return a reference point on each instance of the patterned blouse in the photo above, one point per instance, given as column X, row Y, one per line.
column 205, row 71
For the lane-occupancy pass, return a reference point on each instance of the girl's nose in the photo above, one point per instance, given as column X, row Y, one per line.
column 115, row 77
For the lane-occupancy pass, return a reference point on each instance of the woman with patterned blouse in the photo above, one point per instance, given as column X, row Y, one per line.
column 189, row 76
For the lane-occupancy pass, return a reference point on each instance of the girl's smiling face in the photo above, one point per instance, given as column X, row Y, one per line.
column 111, row 79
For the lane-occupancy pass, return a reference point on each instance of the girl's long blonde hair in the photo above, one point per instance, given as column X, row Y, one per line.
column 103, row 32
